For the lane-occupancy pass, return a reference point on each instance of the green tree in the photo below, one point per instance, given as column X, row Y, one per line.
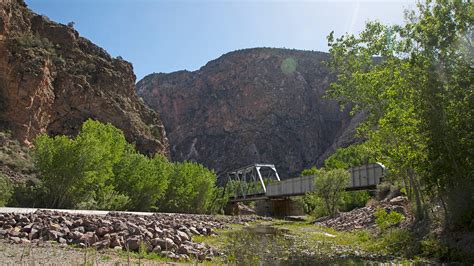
column 190, row 189
column 350, row 156
column 142, row 179
column 329, row 186
column 415, row 82
column 76, row 170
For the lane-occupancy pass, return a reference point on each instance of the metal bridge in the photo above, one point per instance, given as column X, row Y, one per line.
column 262, row 182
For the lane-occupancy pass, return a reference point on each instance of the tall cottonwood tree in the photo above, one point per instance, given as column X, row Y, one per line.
column 416, row 83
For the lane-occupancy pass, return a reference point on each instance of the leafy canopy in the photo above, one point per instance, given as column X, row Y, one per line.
column 415, row 81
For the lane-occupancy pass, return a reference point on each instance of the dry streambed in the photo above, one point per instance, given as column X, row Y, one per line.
column 168, row 235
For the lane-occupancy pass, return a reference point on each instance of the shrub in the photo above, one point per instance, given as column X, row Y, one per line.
column 27, row 194
column 354, row 199
column 218, row 201
column 111, row 200
column 312, row 205
column 310, row 171
column 6, row 190
column 14, row 155
column 385, row 219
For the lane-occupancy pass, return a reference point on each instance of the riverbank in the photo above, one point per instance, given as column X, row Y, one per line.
column 280, row 242
column 154, row 235
column 52, row 238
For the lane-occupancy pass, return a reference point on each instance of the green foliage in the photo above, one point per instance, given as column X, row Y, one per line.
column 310, row 171
column 415, row 83
column 354, row 199
column 312, row 205
column 15, row 156
column 31, row 41
column 111, row 200
column 219, row 198
column 432, row 247
column 329, row 187
column 27, row 194
column 288, row 66
column 345, row 158
column 385, row 219
column 190, row 189
column 99, row 170
column 142, row 179
column 79, row 170
column 6, row 190
column 397, row 241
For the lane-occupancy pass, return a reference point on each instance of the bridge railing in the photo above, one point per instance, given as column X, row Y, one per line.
column 293, row 186
column 361, row 177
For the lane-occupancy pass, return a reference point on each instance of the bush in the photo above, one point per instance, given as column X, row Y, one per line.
column 6, row 190
column 105, row 201
column 310, row 171
column 354, row 199
column 14, row 155
column 312, row 205
column 385, row 219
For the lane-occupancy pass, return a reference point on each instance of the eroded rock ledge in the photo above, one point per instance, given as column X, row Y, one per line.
column 52, row 80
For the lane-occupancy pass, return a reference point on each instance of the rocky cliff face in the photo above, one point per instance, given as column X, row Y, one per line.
column 251, row 106
column 52, row 80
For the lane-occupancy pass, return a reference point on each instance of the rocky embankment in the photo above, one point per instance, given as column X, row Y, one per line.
column 169, row 235
column 364, row 218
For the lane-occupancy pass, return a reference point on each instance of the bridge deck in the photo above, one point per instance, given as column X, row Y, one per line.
column 361, row 178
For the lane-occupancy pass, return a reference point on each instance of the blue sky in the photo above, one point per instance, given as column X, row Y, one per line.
column 167, row 35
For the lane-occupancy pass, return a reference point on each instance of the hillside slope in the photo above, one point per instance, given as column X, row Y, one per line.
column 257, row 105
column 52, row 80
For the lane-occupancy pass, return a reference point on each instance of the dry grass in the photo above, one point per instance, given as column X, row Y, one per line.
column 55, row 254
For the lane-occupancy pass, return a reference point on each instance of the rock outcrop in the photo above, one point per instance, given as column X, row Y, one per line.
column 251, row 106
column 52, row 80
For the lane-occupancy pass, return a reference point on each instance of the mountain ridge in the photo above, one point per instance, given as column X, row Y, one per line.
column 238, row 99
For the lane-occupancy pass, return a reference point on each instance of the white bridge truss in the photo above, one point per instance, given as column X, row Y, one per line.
column 252, row 179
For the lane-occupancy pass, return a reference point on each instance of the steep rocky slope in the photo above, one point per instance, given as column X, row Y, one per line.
column 256, row 105
column 52, row 80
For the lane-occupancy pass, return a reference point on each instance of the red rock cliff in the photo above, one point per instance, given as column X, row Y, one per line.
column 52, row 80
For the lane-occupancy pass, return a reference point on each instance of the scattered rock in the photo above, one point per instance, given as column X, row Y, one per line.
column 165, row 234
column 364, row 218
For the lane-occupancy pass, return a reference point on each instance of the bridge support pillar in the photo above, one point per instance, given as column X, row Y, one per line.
column 278, row 207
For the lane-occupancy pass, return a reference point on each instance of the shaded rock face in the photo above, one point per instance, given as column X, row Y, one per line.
column 52, row 80
column 251, row 106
